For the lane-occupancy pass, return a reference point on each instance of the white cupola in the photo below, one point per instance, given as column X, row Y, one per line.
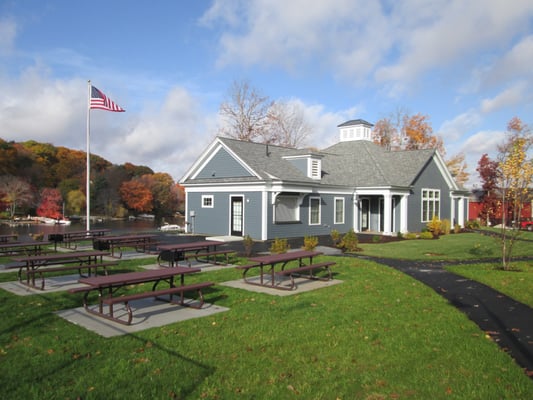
column 356, row 129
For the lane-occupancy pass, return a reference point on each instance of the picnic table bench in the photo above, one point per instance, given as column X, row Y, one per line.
column 28, row 248
column 269, row 262
column 70, row 239
column 108, row 286
column 201, row 251
column 142, row 243
column 38, row 265
column 6, row 238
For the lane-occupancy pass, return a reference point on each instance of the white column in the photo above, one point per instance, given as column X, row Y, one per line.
column 387, row 213
column 403, row 214
column 452, row 211
column 461, row 220
column 355, row 213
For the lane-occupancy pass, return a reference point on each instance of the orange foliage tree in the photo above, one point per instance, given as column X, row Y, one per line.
column 136, row 196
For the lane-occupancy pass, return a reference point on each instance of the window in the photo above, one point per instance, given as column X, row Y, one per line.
column 314, row 210
column 430, row 204
column 339, row 210
column 286, row 209
column 207, row 201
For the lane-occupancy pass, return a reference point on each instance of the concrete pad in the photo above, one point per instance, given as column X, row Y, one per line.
column 51, row 284
column 147, row 313
column 302, row 285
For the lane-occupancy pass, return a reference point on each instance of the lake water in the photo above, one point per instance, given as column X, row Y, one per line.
column 117, row 228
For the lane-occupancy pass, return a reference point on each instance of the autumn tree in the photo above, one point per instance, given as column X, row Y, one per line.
column 76, row 201
column 14, row 192
column 402, row 131
column 51, row 204
column 244, row 112
column 136, row 196
column 490, row 201
column 457, row 167
column 286, row 125
column 514, row 180
column 161, row 185
column 248, row 115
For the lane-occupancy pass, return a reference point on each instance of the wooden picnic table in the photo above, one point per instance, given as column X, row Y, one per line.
column 108, row 287
column 271, row 262
column 141, row 242
column 42, row 263
column 69, row 239
column 175, row 252
column 8, row 237
column 33, row 247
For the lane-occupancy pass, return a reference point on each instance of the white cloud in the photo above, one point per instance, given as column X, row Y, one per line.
column 511, row 96
column 483, row 142
column 167, row 139
column 457, row 128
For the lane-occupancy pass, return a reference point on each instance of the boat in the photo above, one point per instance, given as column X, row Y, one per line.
column 171, row 228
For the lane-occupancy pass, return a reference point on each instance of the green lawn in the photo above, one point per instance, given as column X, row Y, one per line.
column 464, row 246
column 378, row 335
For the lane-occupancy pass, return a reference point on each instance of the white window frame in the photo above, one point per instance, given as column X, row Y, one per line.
column 208, row 201
column 311, row 199
column 335, row 221
column 432, row 198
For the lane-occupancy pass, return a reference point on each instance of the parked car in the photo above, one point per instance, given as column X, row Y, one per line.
column 527, row 224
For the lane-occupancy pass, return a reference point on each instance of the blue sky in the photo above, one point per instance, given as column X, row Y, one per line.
column 467, row 65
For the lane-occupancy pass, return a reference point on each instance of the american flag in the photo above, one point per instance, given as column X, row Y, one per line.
column 102, row 102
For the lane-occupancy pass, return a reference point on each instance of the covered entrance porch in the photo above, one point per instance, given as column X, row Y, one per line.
column 380, row 211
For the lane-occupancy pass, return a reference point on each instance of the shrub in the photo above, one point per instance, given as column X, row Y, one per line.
column 279, row 246
column 376, row 239
column 472, row 224
column 435, row 226
column 349, row 241
column 248, row 243
column 428, row 235
column 456, row 228
column 446, row 226
column 410, row 236
column 310, row 242
column 335, row 237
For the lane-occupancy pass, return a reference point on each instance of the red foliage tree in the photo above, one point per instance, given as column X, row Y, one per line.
column 51, row 204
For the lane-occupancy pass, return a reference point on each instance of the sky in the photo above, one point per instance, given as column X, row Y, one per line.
column 466, row 65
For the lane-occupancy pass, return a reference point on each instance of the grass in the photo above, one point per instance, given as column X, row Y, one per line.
column 464, row 246
column 378, row 335
column 354, row 340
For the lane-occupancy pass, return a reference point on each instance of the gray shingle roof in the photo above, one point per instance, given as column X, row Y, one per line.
column 352, row 163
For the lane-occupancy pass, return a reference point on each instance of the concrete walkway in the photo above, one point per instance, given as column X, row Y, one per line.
column 507, row 321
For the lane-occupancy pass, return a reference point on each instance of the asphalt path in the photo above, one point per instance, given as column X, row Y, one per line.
column 508, row 322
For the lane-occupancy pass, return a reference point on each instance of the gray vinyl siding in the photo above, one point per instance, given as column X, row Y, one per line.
column 431, row 178
column 216, row 220
column 252, row 214
column 223, row 165
column 302, row 227
column 209, row 221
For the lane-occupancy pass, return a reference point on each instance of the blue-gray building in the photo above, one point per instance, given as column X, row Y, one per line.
column 243, row 188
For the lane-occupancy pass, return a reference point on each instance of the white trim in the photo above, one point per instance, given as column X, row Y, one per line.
column 206, row 197
column 311, row 198
column 335, row 210
column 438, row 213
column 230, row 222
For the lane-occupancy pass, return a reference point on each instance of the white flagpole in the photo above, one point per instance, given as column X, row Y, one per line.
column 88, row 180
